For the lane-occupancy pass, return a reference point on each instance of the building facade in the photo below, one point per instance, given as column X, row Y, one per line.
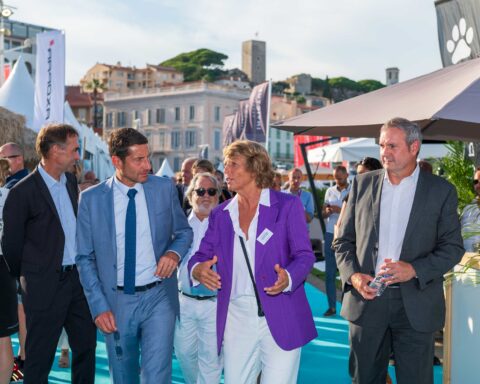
column 16, row 33
column 118, row 78
column 179, row 120
column 254, row 60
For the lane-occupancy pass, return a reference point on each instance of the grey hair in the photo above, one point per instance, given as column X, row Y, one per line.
column 412, row 130
column 207, row 175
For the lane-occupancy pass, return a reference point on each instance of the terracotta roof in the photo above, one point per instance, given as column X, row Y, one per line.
column 76, row 97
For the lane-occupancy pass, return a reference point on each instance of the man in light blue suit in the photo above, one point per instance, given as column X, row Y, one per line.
column 131, row 235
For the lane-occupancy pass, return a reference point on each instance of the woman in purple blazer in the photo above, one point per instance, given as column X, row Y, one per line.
column 257, row 253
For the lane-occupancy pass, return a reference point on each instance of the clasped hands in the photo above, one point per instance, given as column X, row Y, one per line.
column 395, row 272
column 209, row 278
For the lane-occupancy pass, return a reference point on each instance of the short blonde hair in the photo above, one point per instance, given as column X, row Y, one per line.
column 257, row 160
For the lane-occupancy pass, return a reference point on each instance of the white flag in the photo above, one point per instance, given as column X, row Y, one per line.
column 49, row 79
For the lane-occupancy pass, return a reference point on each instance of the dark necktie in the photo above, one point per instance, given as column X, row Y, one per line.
column 130, row 244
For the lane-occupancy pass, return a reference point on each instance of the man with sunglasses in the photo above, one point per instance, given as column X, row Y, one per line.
column 195, row 331
column 471, row 217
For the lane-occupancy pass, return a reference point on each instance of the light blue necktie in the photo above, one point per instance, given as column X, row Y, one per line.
column 130, row 244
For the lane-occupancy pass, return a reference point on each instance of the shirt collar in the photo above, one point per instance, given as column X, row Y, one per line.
column 49, row 180
column 412, row 178
column 124, row 188
column 264, row 200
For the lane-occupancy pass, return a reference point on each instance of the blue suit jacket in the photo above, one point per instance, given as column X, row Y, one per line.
column 96, row 239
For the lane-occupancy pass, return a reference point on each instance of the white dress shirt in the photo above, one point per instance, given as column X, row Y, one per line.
column 395, row 208
column 199, row 228
column 63, row 204
column 334, row 196
column 146, row 264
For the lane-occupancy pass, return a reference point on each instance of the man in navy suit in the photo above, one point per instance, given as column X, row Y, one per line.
column 131, row 235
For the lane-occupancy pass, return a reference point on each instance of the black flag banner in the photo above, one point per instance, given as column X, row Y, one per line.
column 258, row 104
column 458, row 30
column 227, row 130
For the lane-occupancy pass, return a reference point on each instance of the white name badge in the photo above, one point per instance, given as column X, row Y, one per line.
column 264, row 236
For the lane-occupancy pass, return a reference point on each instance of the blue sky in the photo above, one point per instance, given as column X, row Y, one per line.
column 352, row 38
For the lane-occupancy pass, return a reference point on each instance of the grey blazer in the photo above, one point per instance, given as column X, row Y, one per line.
column 432, row 244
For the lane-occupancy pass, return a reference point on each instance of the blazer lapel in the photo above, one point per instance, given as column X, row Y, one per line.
column 43, row 189
column 151, row 201
column 107, row 202
column 376, row 196
column 419, row 201
column 267, row 216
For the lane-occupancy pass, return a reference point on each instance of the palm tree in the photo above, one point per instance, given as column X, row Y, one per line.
column 95, row 86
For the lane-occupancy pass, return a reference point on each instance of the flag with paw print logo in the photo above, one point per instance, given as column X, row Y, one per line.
column 458, row 31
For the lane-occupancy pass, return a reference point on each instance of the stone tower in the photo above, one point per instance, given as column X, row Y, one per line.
column 254, row 60
column 392, row 76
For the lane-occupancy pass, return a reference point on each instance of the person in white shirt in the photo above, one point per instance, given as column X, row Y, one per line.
column 195, row 330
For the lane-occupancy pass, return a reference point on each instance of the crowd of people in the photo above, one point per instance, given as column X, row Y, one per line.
column 213, row 265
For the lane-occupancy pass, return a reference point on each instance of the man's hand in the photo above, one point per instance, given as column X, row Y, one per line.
column 360, row 283
column 167, row 264
column 281, row 283
column 106, row 322
column 204, row 274
column 400, row 271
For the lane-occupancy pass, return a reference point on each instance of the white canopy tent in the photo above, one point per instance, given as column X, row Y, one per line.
column 356, row 149
column 165, row 170
column 17, row 95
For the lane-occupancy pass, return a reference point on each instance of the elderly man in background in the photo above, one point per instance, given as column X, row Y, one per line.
column 195, row 331
column 14, row 154
column 334, row 197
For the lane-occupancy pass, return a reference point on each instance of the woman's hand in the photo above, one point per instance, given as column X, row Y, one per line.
column 281, row 283
column 204, row 274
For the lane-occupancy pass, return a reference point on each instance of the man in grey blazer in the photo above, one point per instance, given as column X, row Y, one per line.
column 401, row 223
column 131, row 235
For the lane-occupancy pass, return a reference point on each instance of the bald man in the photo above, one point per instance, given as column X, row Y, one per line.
column 14, row 154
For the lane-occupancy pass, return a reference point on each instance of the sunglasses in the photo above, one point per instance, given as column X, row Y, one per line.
column 201, row 191
column 10, row 157
column 475, row 182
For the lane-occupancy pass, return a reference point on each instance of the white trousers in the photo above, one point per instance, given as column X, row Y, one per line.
column 248, row 348
column 196, row 341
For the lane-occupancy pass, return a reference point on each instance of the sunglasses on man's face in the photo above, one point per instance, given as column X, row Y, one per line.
column 201, row 191
column 475, row 182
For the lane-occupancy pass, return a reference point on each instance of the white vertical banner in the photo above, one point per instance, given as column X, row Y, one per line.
column 49, row 79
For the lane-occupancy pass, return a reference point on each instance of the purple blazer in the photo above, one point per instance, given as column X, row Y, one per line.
column 288, row 315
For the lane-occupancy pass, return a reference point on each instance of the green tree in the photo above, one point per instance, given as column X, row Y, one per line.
column 95, row 87
column 458, row 169
column 202, row 64
column 370, row 85
column 344, row 83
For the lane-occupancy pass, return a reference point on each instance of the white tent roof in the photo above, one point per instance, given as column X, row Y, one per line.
column 165, row 169
column 356, row 149
column 17, row 92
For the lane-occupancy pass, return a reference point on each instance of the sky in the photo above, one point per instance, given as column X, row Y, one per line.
column 357, row 39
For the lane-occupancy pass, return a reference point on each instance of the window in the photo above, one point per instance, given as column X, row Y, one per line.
column 190, row 139
column 161, row 137
column 19, row 30
column 176, row 136
column 217, row 138
column 191, row 115
column 121, row 119
column 161, row 115
column 135, row 114
column 287, row 151
column 109, row 122
column 176, row 164
column 278, row 133
column 177, row 113
column 149, row 117
column 216, row 113
column 278, row 150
